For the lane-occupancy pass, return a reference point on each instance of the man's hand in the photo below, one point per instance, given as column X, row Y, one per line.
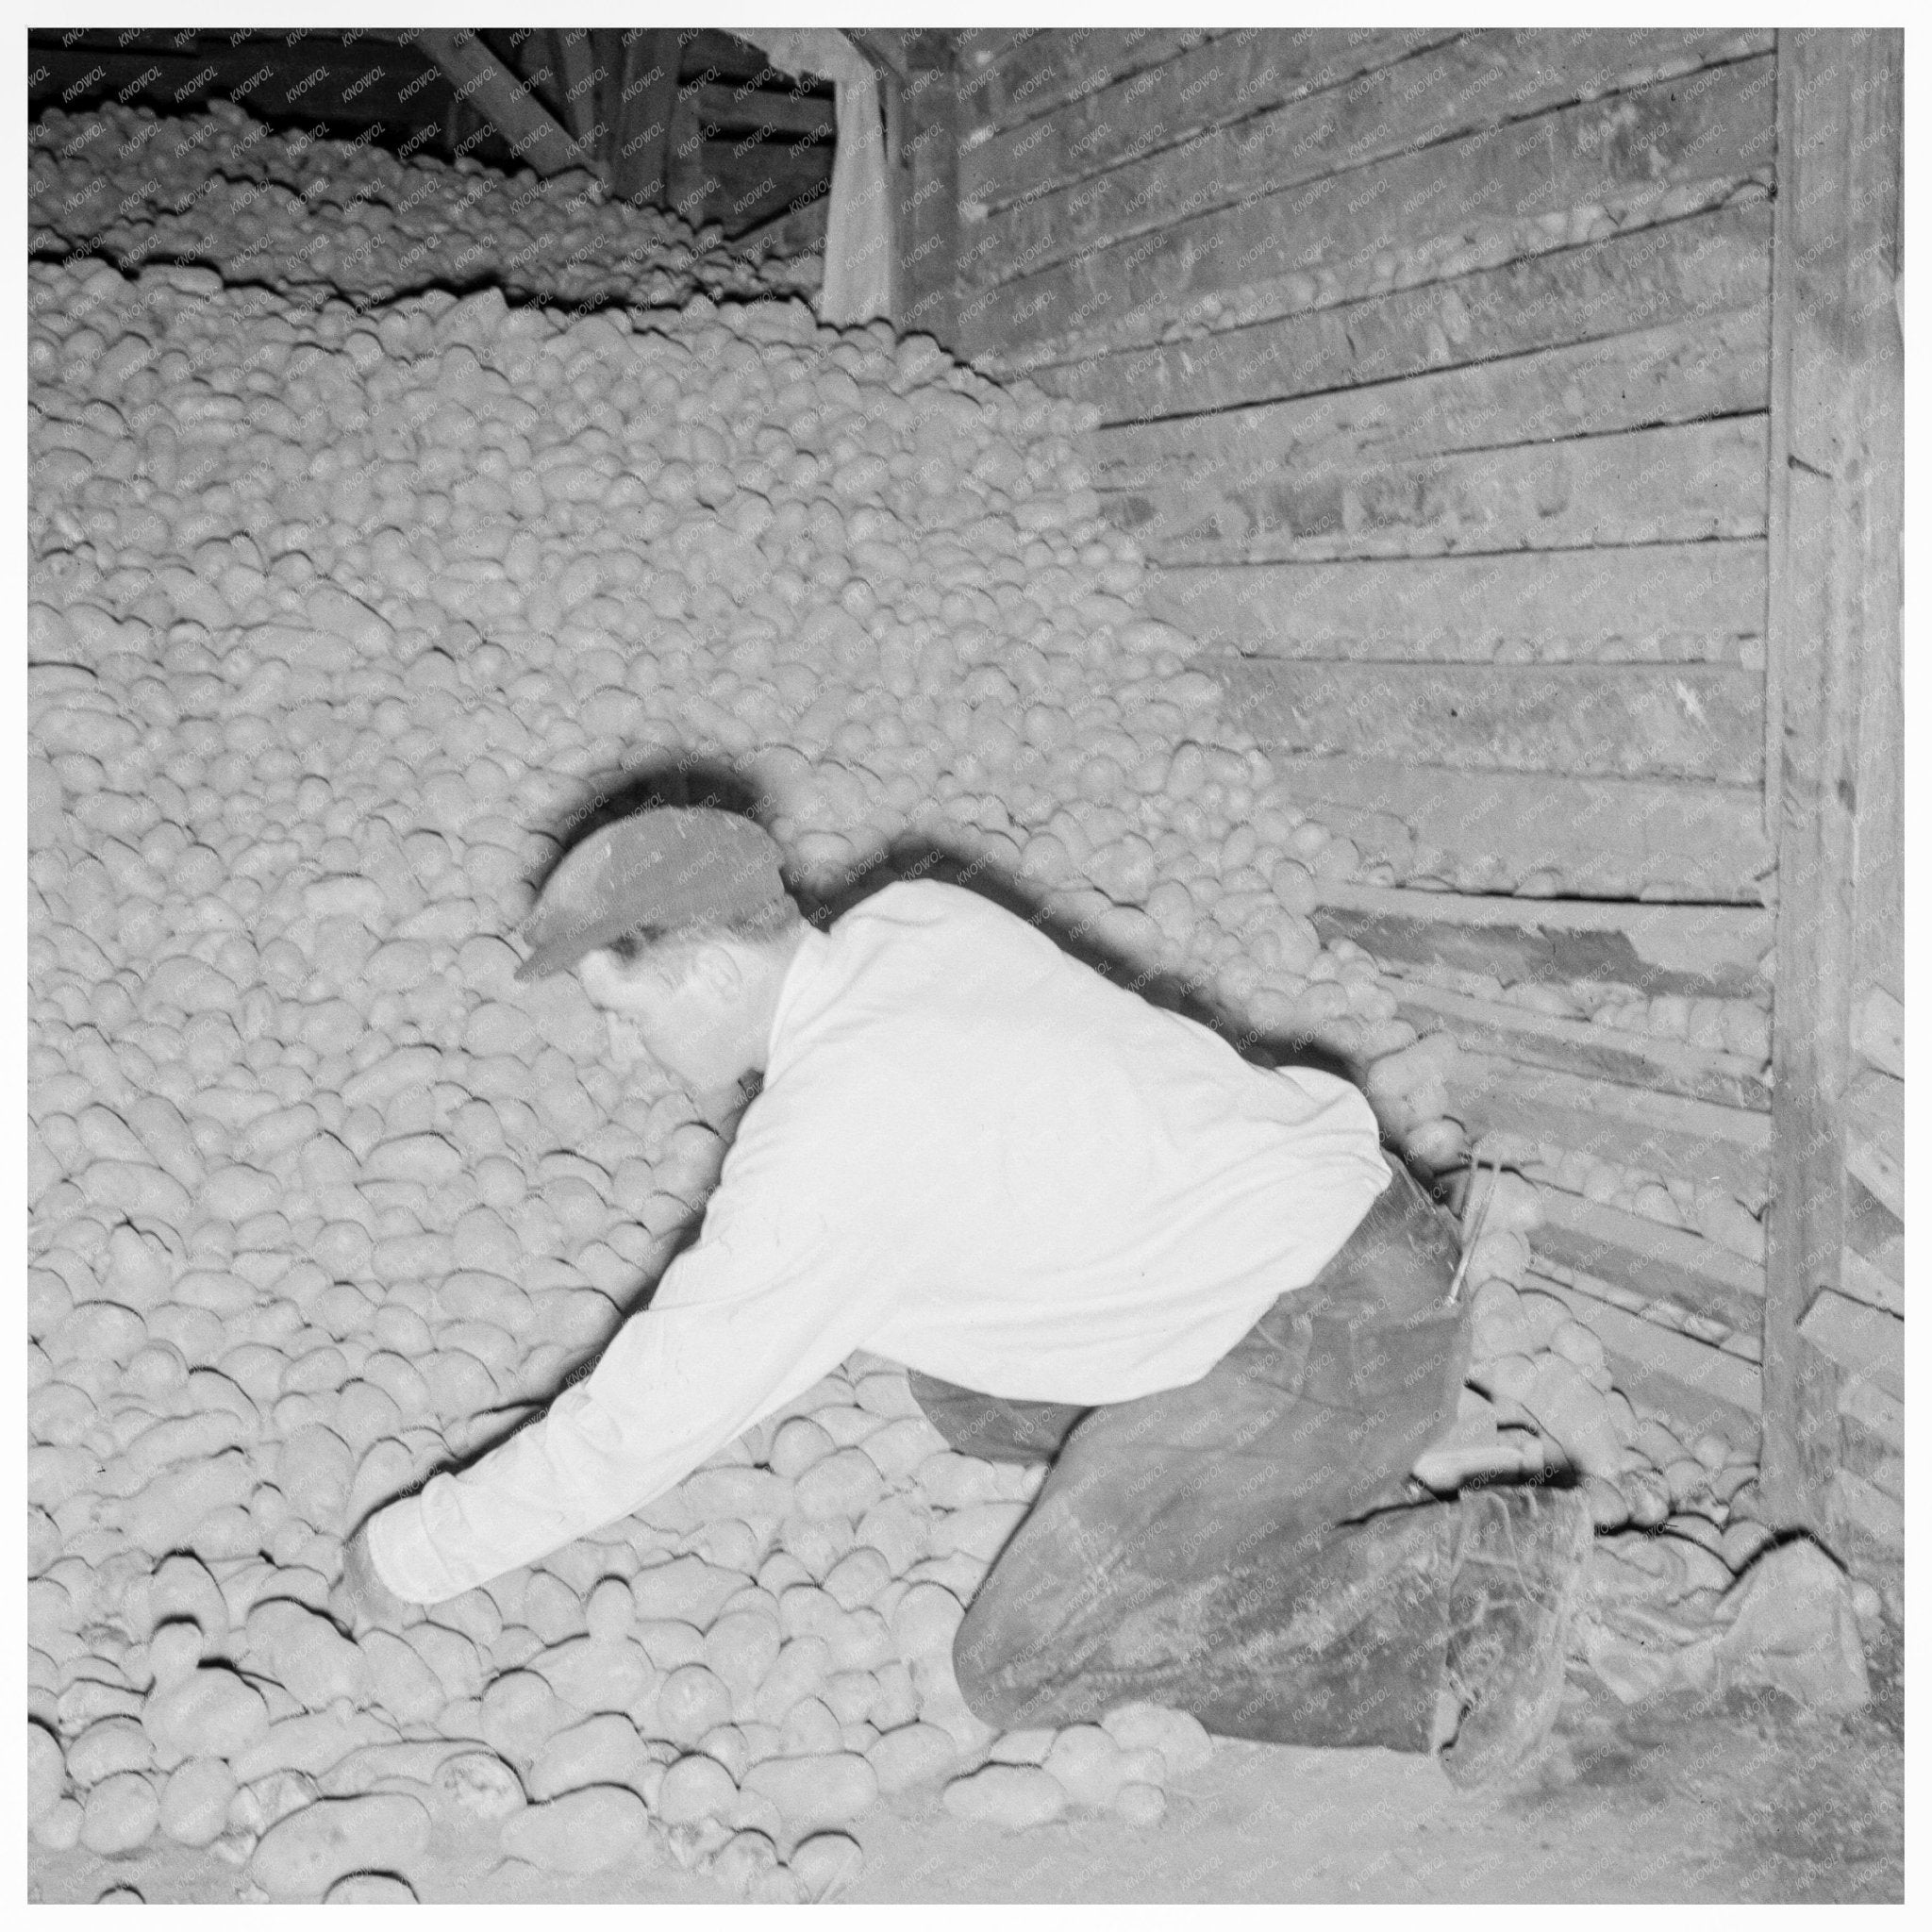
column 361, row 1599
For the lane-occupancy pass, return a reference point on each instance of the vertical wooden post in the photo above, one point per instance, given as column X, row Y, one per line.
column 1835, row 374
column 640, row 128
column 573, row 61
column 684, row 165
column 930, row 177
column 893, row 113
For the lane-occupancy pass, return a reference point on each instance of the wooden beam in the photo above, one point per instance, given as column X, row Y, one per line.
column 641, row 131
column 1606, row 837
column 1867, row 1343
column 1691, row 1383
column 1678, row 372
column 1872, row 1228
column 1575, row 1046
column 1875, row 1115
column 1694, row 481
column 1647, row 603
column 1712, row 950
column 1865, row 1281
column 1692, row 1139
column 1615, row 721
column 1632, row 148
column 1837, row 370
column 1658, row 1263
column 892, row 89
column 1228, row 78
column 687, row 187
column 1878, row 1030
column 484, row 83
column 1700, row 264
column 1038, row 72
column 1860, row 1509
column 1477, row 81
column 929, row 182
column 1877, row 1413
column 576, row 83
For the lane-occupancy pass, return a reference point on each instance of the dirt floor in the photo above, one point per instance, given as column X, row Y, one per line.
column 1744, row 1799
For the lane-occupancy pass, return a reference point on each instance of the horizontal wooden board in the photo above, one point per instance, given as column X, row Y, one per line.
column 1879, row 1029
column 1479, row 81
column 1611, row 838
column 1691, row 482
column 1874, row 1230
column 1575, row 1046
column 1641, row 603
column 1703, row 265
column 1875, row 1116
column 1864, row 1507
column 1864, row 1342
column 1230, row 78
column 1613, row 1121
column 1693, row 1386
column 1615, row 721
column 1679, row 372
column 1689, row 949
column 1876, row 1412
column 1663, row 1263
column 1631, row 149
column 1035, row 75
column 1865, row 1281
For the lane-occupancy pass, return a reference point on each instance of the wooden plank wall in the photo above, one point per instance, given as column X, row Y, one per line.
column 1433, row 372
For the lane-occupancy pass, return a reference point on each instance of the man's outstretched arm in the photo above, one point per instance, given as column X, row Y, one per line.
column 710, row 1357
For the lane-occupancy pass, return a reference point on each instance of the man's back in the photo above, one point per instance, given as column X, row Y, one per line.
column 1076, row 1195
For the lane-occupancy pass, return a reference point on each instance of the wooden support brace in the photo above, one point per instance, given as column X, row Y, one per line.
column 485, row 84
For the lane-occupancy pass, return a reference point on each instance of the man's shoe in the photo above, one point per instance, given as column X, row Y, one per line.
column 1513, row 1593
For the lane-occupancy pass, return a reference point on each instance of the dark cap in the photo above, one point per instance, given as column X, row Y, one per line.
column 665, row 866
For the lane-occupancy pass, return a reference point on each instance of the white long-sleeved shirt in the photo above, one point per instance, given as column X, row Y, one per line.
column 972, row 1154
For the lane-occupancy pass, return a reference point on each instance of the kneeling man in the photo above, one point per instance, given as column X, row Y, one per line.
column 1097, row 1238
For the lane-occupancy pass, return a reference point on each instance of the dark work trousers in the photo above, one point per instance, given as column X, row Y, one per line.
column 1239, row 1548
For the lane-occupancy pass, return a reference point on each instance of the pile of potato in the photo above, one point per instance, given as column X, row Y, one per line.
column 337, row 619
column 1541, row 1399
column 298, row 213
column 332, row 618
